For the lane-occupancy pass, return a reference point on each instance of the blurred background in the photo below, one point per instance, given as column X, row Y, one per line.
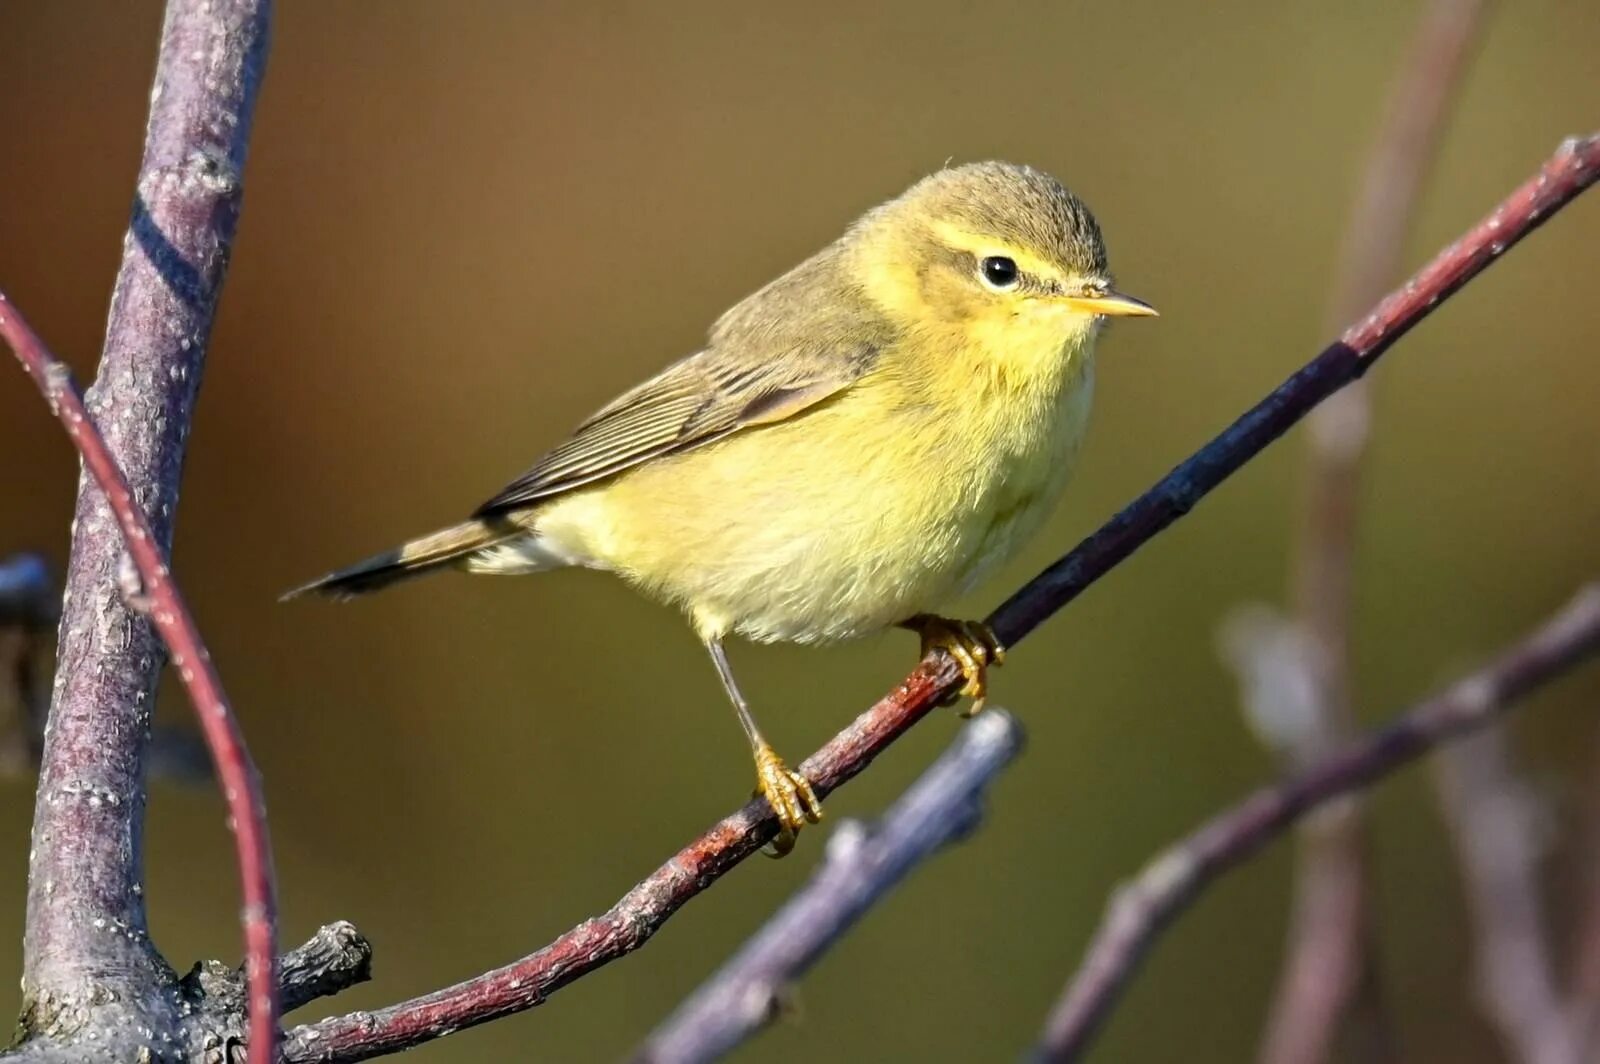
column 466, row 226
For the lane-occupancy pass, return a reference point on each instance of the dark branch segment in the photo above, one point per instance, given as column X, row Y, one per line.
column 1140, row 910
column 336, row 958
column 1563, row 177
column 861, row 865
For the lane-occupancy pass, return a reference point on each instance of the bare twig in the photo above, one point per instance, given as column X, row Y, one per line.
column 1141, row 909
column 86, row 941
column 176, row 625
column 1495, row 823
column 336, row 958
column 631, row 922
column 861, row 865
column 1328, row 968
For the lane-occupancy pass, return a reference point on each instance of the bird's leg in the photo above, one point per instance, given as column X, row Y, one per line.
column 789, row 793
column 972, row 644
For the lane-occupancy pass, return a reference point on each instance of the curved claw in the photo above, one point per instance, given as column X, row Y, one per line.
column 790, row 795
column 972, row 644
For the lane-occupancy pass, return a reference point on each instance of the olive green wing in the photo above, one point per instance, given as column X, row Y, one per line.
column 697, row 401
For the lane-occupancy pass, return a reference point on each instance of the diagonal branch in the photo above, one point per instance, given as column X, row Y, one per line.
column 643, row 910
column 860, row 867
column 1140, row 910
column 176, row 625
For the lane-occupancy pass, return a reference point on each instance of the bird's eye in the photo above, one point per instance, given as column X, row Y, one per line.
column 999, row 272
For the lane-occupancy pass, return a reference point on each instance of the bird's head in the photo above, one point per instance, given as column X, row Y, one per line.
column 999, row 250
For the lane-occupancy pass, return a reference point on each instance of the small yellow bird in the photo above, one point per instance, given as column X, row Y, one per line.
column 858, row 441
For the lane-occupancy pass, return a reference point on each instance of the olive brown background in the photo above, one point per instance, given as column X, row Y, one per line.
column 467, row 225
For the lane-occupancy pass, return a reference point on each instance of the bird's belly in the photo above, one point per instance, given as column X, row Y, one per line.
column 747, row 537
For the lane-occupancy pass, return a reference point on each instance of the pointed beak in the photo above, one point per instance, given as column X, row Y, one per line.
column 1111, row 305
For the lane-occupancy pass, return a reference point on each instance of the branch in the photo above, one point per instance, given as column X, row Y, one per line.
column 86, row 873
column 1494, row 822
column 176, row 625
column 631, row 922
column 860, row 866
column 1328, row 968
column 1140, row 910
column 336, row 958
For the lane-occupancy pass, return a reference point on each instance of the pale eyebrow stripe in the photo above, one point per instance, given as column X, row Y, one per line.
column 979, row 245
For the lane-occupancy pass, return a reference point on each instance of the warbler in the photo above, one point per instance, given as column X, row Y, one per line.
column 858, row 441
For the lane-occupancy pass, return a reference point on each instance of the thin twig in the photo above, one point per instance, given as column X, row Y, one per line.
column 170, row 613
column 860, row 867
column 1328, row 969
column 1494, row 820
column 1140, row 910
column 631, row 922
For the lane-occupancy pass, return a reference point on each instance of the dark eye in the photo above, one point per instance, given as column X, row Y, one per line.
column 999, row 271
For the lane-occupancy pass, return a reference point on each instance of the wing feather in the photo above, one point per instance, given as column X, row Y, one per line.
column 773, row 356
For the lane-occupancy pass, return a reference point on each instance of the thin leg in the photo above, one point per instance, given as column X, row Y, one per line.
column 789, row 793
column 972, row 644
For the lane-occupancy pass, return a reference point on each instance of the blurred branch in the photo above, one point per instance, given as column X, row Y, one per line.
column 89, row 966
column 28, row 609
column 1495, row 823
column 861, row 865
column 1141, row 909
column 27, row 594
column 1328, row 980
column 631, row 922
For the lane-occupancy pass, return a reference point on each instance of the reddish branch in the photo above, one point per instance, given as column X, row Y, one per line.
column 631, row 922
column 86, row 944
column 860, row 867
column 1141, row 909
column 1327, row 968
column 172, row 619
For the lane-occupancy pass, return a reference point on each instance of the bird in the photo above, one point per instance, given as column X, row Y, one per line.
column 857, row 442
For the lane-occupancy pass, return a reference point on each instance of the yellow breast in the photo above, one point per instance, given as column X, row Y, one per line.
column 876, row 505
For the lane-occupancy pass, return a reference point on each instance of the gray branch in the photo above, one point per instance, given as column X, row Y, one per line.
column 1141, row 909
column 1494, row 820
column 861, row 865
column 87, row 952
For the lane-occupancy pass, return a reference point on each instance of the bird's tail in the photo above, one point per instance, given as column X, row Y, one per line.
column 453, row 545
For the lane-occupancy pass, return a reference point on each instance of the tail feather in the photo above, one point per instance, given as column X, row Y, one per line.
column 413, row 558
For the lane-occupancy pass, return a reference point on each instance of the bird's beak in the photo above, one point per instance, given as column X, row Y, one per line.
column 1111, row 305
